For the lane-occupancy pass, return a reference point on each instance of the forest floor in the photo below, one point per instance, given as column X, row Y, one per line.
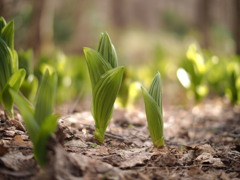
column 202, row 142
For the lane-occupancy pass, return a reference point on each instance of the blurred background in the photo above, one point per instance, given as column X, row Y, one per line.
column 194, row 44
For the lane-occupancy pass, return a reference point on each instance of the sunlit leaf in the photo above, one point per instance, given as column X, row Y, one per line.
column 29, row 87
column 2, row 23
column 153, row 108
column 97, row 66
column 17, row 79
column 45, row 96
column 14, row 83
column 106, row 80
column 5, row 67
column 107, row 50
column 14, row 64
column 7, row 34
column 40, row 122
column 155, row 90
column 104, row 95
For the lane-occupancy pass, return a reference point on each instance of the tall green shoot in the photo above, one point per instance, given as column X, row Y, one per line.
column 10, row 76
column 106, row 78
column 153, row 108
column 39, row 120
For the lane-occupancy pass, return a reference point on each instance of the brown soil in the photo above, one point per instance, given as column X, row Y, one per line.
column 201, row 143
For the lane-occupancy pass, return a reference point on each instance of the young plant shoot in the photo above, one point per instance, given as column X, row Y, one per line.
column 10, row 76
column 106, row 78
column 153, row 108
column 39, row 121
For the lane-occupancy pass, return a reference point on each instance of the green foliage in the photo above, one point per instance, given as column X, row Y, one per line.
column 72, row 74
column 192, row 73
column 10, row 76
column 202, row 73
column 39, row 120
column 153, row 108
column 233, row 80
column 106, row 80
column 130, row 91
column 30, row 84
column 124, row 90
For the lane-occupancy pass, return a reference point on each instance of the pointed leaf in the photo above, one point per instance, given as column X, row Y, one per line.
column 107, row 50
column 97, row 66
column 48, row 126
column 7, row 100
column 14, row 83
column 17, row 79
column 14, row 64
column 155, row 90
column 46, row 96
column 5, row 64
column 27, row 114
column 104, row 95
column 154, row 118
column 29, row 87
column 2, row 23
column 7, row 34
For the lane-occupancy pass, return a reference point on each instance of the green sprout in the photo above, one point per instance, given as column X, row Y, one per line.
column 233, row 80
column 153, row 108
column 30, row 84
column 192, row 73
column 10, row 76
column 106, row 78
column 39, row 121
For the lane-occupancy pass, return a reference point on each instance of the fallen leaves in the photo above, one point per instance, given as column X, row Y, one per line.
column 207, row 158
column 17, row 161
column 133, row 157
column 198, row 146
column 3, row 150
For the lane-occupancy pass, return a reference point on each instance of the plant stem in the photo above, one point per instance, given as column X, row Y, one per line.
column 99, row 136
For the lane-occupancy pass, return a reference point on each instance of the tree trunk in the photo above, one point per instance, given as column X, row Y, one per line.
column 2, row 8
column 237, row 25
column 204, row 21
column 34, row 39
column 46, row 27
column 118, row 15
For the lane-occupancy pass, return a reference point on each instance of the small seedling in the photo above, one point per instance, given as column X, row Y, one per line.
column 153, row 108
column 10, row 76
column 233, row 80
column 106, row 78
column 192, row 74
column 39, row 121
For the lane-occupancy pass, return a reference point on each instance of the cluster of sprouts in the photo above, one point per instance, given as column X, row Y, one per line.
column 106, row 78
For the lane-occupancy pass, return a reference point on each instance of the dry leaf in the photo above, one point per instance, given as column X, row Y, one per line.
column 17, row 161
column 206, row 157
column 3, row 150
column 75, row 143
column 18, row 125
column 133, row 157
column 17, row 140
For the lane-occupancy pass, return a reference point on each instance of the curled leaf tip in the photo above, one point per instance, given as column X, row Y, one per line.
column 86, row 50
